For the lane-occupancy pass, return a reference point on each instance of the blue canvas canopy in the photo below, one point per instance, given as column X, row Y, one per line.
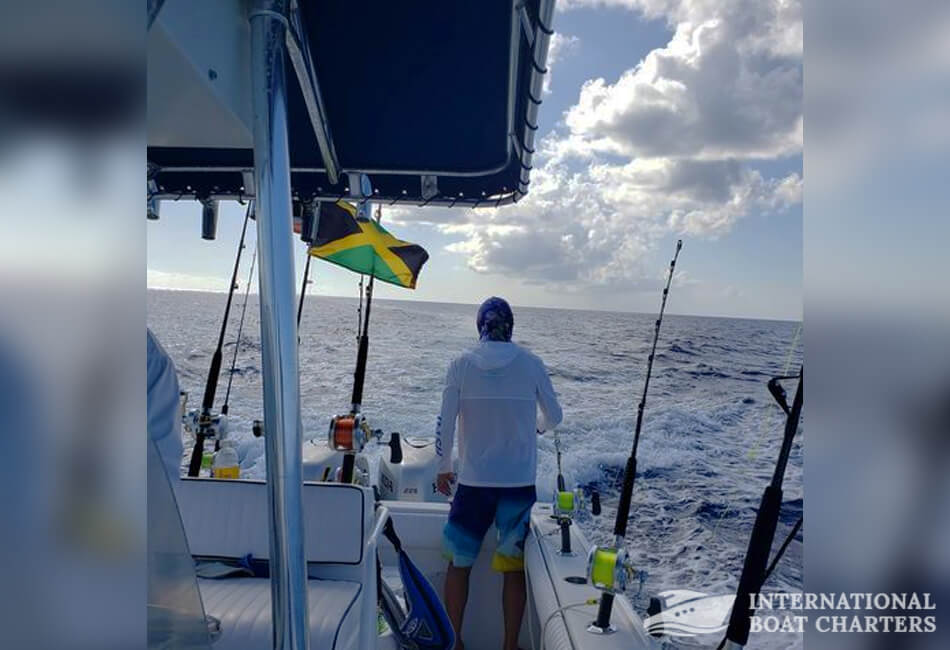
column 437, row 101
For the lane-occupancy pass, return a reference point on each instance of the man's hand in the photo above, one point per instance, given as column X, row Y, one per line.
column 443, row 483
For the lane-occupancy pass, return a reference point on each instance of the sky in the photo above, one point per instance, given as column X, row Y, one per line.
column 662, row 120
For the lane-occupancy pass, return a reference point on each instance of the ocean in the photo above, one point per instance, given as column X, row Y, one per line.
column 710, row 435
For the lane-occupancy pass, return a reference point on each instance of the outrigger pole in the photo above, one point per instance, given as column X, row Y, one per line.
column 283, row 444
column 602, row 624
column 214, row 372
column 763, row 531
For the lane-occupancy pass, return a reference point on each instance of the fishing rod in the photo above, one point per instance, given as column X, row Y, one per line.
column 359, row 312
column 214, row 372
column 565, row 503
column 237, row 342
column 359, row 375
column 561, row 485
column 353, row 427
column 303, row 292
column 309, row 231
column 754, row 569
column 607, row 566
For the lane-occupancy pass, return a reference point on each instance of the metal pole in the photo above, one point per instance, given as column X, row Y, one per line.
column 283, row 442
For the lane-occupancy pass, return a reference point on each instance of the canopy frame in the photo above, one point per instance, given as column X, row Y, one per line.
column 412, row 187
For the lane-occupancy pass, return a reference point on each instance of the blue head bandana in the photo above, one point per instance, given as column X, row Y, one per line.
column 495, row 321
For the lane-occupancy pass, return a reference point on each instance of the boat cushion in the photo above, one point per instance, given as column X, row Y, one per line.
column 229, row 519
column 244, row 608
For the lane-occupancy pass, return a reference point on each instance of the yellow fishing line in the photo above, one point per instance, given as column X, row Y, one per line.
column 763, row 426
column 766, row 421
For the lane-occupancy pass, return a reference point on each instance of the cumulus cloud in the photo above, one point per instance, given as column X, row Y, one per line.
column 597, row 224
column 728, row 84
column 560, row 47
column 672, row 146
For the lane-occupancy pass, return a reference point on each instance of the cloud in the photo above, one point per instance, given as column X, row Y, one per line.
column 673, row 146
column 597, row 225
column 561, row 46
column 156, row 279
column 727, row 85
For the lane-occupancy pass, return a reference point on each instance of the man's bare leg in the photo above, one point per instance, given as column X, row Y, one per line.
column 513, row 599
column 456, row 596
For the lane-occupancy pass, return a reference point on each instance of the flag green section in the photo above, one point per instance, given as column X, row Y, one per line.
column 364, row 246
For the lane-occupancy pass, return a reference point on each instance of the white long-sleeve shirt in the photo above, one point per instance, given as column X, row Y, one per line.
column 495, row 391
column 164, row 416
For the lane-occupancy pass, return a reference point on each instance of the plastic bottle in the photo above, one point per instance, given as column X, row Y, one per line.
column 226, row 463
column 206, row 459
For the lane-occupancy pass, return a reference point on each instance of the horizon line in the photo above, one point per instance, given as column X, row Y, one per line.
column 471, row 304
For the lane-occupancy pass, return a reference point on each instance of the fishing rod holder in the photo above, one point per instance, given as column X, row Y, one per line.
column 209, row 219
column 566, row 504
column 309, row 221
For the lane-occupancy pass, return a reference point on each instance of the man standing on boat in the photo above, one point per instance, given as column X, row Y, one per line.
column 164, row 412
column 494, row 391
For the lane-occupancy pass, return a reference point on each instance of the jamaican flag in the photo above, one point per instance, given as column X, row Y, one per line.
column 364, row 246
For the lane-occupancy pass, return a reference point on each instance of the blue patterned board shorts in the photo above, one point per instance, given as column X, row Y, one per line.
column 473, row 510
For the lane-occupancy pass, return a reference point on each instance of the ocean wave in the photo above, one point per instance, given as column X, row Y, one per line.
column 697, row 486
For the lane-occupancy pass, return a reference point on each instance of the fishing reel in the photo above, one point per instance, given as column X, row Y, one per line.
column 203, row 426
column 609, row 569
column 567, row 503
column 348, row 433
column 213, row 426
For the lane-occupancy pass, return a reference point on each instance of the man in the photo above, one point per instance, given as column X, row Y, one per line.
column 494, row 391
column 164, row 413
